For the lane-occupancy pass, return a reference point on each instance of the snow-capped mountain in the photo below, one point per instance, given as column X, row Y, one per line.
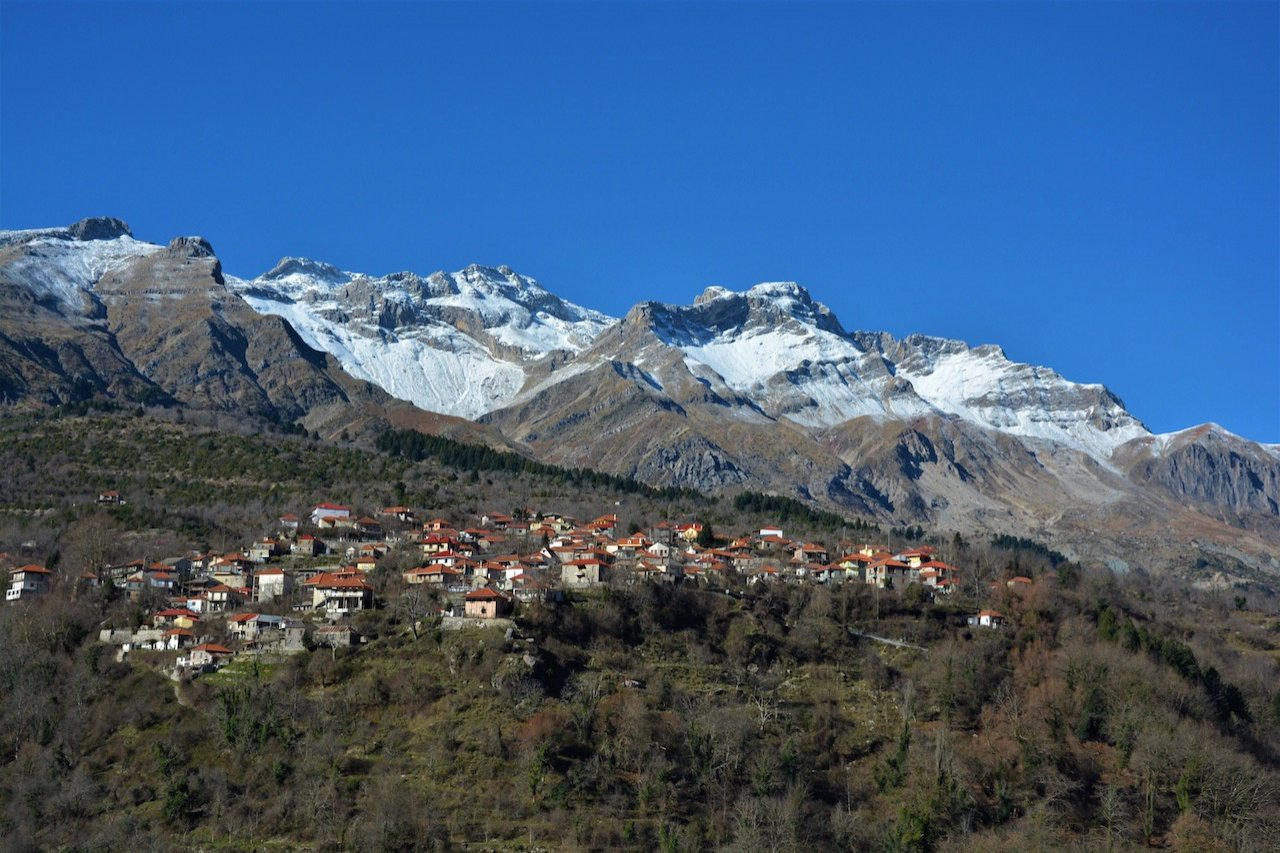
column 473, row 342
column 468, row 344
column 981, row 385
column 62, row 265
column 90, row 311
column 456, row 343
column 762, row 389
column 789, row 355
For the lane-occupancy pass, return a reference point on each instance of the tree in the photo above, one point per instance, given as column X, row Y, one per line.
column 91, row 545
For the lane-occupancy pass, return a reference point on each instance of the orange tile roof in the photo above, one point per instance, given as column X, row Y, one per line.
column 213, row 649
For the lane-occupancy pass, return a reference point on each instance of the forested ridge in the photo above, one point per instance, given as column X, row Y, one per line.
column 1109, row 712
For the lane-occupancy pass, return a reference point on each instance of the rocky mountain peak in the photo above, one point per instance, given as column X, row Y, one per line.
column 506, row 282
column 195, row 248
column 930, row 346
column 785, row 302
column 190, row 247
column 289, row 266
column 99, row 228
column 715, row 291
column 719, row 312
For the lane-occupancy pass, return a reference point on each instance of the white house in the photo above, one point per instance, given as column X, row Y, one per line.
column 987, row 619
column 339, row 593
column 26, row 581
column 333, row 512
column 249, row 626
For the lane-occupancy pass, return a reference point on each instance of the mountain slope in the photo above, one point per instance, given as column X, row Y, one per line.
column 476, row 341
column 54, row 344
column 455, row 343
column 89, row 309
column 764, row 390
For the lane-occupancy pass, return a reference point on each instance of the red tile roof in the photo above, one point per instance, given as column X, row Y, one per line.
column 212, row 648
column 339, row 580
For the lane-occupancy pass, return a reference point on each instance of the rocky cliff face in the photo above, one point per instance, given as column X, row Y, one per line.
column 54, row 346
column 95, row 311
column 1209, row 466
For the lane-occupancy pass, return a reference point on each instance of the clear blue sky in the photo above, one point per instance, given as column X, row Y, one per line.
column 1094, row 187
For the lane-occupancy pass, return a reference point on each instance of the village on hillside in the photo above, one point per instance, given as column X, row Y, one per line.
column 304, row 586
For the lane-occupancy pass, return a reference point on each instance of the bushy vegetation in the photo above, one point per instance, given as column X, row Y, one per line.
column 784, row 510
column 1016, row 544
column 213, row 485
column 416, row 447
column 656, row 717
column 1109, row 713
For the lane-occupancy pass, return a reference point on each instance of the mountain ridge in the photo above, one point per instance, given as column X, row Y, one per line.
column 840, row 374
column 761, row 389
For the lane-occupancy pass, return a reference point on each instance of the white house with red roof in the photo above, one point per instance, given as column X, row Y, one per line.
column 435, row 575
column 264, row 549
column 181, row 617
column 207, row 654
column 399, row 513
column 220, row 598
column 249, row 626
column 809, row 553
column 340, row 593
column 26, row 581
column 940, row 576
column 765, row 574
column 915, row 557
column 332, row 512
column 888, row 572
column 496, row 520
column 584, row 572
column 178, row 638
column 987, row 619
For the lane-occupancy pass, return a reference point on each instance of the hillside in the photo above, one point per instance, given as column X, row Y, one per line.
column 714, row 712
column 666, row 718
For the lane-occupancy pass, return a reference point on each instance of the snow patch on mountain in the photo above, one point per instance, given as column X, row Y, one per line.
column 983, row 386
column 436, row 367
column 297, row 275
column 457, row 343
column 818, row 369
column 776, row 345
column 61, row 269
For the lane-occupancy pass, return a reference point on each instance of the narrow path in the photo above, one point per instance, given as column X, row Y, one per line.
column 903, row 644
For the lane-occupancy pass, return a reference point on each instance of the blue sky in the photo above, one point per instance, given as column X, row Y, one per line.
column 1095, row 187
